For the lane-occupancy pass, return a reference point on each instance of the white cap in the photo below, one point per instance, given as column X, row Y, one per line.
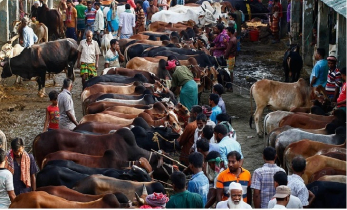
column 235, row 186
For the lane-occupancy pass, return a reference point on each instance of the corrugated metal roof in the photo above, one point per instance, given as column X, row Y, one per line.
column 338, row 5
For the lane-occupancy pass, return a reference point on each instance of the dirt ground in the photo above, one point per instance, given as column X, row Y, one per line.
column 22, row 112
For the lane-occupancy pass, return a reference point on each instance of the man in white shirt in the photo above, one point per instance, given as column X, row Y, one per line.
column 126, row 23
column 282, row 197
column 99, row 23
column 7, row 194
column 235, row 200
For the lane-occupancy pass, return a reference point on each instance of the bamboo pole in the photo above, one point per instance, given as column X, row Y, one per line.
column 169, row 158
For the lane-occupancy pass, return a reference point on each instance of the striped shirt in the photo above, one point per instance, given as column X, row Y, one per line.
column 90, row 15
column 263, row 180
column 334, row 81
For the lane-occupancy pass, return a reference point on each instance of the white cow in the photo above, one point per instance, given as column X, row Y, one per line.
column 105, row 43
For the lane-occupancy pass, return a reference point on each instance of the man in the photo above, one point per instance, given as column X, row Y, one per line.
column 282, row 196
column 296, row 183
column 203, row 146
column 145, row 5
column 99, row 23
column 90, row 14
column 230, row 53
column 280, row 178
column 200, row 122
column 140, row 17
column 29, row 37
column 262, row 180
column 88, row 57
column 81, row 15
column 199, row 182
column 320, row 70
column 67, row 119
column 126, row 23
column 113, row 55
column 183, row 77
column 186, row 140
column 183, row 198
column 334, row 82
column 71, row 21
column 7, row 196
column 234, row 201
column 216, row 110
column 276, row 21
column 152, row 9
column 341, row 100
column 34, row 8
column 219, row 89
column 234, row 173
column 220, row 42
column 225, row 143
column 213, row 168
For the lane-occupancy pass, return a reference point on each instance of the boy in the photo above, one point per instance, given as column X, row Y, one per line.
column 7, row 194
column 341, row 101
column 334, row 81
column 219, row 90
column 52, row 112
column 216, row 110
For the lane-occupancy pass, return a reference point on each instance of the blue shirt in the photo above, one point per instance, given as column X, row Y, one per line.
column 145, row 5
column 213, row 147
column 221, row 104
column 114, row 22
column 320, row 71
column 199, row 184
column 227, row 145
column 215, row 111
column 29, row 37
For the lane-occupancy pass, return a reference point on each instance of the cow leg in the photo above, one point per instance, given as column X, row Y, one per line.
column 41, row 83
column 257, row 118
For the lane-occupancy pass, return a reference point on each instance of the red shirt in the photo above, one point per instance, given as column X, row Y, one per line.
column 53, row 112
column 342, row 96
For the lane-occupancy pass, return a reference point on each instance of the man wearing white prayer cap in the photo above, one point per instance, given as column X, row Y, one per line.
column 235, row 200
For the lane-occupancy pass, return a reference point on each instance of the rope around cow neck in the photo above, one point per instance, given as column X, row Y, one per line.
column 156, row 139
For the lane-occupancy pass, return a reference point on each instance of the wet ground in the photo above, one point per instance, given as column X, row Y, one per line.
column 22, row 112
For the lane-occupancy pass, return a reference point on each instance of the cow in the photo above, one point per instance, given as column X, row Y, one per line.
column 271, row 120
column 328, row 194
column 52, row 19
column 68, row 173
column 105, row 43
column 41, row 199
column 145, row 100
column 40, row 30
column 333, row 178
column 295, row 135
column 292, row 63
column 98, row 184
column 72, row 195
column 325, row 171
column 281, row 96
column 157, row 111
column 100, row 106
column 318, row 162
column 131, row 72
column 115, row 78
column 52, row 57
column 123, row 142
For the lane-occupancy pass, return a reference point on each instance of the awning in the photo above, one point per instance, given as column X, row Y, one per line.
column 338, row 5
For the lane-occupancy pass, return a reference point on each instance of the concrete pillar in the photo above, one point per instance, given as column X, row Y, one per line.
column 13, row 11
column 341, row 41
column 50, row 4
column 295, row 20
column 323, row 27
column 283, row 23
column 307, row 26
column 4, row 30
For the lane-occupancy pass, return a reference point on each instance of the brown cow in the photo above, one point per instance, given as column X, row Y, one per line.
column 100, row 106
column 305, row 148
column 301, row 121
column 97, row 127
column 119, row 114
column 131, row 72
column 41, row 199
column 139, row 37
column 319, row 162
column 157, row 111
column 325, row 171
column 334, row 178
column 281, row 96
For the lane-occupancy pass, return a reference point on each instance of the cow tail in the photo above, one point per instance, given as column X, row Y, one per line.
column 126, row 54
column 46, row 32
column 251, row 118
column 265, row 119
column 37, row 138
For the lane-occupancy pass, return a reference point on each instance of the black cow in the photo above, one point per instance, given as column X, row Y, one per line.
column 51, row 57
column 135, row 50
column 328, row 194
column 292, row 63
column 158, row 138
column 154, row 51
column 68, row 173
column 52, row 19
column 114, row 78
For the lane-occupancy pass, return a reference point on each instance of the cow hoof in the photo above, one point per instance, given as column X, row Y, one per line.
column 260, row 135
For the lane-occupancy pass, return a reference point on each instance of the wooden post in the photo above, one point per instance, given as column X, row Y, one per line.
column 4, row 22
column 283, row 26
column 341, row 41
column 323, row 27
column 307, row 27
column 50, row 4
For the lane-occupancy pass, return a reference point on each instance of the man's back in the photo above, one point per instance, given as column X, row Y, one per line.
column 199, row 184
column 227, row 145
column 29, row 37
column 127, row 22
column 184, row 200
column 320, row 71
column 65, row 103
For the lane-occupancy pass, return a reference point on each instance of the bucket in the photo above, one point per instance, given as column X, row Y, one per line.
column 254, row 35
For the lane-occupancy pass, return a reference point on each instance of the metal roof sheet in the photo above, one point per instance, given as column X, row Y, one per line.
column 338, row 5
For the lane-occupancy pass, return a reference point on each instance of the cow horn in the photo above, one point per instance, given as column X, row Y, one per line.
column 214, row 11
column 203, row 8
column 144, row 190
column 139, row 200
column 150, row 173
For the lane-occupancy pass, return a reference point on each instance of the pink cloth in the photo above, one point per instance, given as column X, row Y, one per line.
column 221, row 41
column 170, row 65
column 132, row 3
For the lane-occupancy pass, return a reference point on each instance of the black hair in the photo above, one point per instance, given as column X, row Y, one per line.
column 201, row 117
column 196, row 159
column 298, row 164
column 97, row 4
column 164, row 37
column 221, row 129
column 196, row 109
column 16, row 144
column 208, row 131
column 231, row 30
column 175, row 39
column 53, row 95
column 184, row 35
column 321, row 52
column 2, row 155
column 235, row 154
column 269, row 153
column 343, row 71
column 139, row 2
column 89, row 2
column 214, row 97
column 218, row 88
column 220, row 27
column 127, row 6
column 179, row 180
column 223, row 117
column 113, row 41
column 67, row 82
column 203, row 144
column 281, row 178
column 172, row 57
column 212, row 155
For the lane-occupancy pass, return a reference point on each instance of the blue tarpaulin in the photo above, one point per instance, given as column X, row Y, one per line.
column 338, row 5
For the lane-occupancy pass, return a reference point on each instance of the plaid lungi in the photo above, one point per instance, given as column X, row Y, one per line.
column 89, row 69
column 231, row 63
